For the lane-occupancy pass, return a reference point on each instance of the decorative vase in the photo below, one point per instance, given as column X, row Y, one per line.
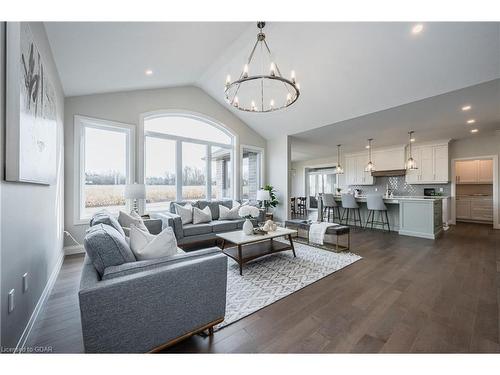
column 248, row 227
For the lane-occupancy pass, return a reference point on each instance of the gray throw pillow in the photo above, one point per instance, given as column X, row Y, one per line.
column 104, row 217
column 107, row 247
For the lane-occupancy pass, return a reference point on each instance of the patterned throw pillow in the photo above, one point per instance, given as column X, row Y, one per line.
column 229, row 213
column 202, row 216
column 185, row 212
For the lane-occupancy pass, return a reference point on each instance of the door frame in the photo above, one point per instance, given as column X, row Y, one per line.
column 453, row 219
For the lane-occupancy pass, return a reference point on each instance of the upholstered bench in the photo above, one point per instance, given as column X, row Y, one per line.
column 337, row 231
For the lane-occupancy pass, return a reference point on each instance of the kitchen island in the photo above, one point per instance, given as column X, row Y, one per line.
column 410, row 216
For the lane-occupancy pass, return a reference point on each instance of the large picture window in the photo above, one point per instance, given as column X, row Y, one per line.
column 186, row 158
column 105, row 163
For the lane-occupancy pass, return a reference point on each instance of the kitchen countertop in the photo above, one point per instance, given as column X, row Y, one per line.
column 397, row 199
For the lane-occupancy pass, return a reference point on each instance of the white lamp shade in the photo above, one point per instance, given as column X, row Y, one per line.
column 263, row 195
column 135, row 191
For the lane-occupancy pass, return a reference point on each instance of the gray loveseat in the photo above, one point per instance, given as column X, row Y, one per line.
column 130, row 306
column 190, row 233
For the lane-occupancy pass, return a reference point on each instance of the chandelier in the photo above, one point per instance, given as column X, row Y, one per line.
column 261, row 87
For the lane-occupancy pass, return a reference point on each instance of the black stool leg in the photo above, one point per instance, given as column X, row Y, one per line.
column 387, row 218
column 359, row 217
column 368, row 218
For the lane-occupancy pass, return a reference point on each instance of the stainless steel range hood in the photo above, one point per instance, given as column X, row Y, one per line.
column 391, row 173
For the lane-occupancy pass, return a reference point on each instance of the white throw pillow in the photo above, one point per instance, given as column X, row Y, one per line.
column 229, row 213
column 126, row 220
column 185, row 212
column 145, row 245
column 202, row 216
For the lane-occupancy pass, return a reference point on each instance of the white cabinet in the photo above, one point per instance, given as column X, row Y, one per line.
column 474, row 171
column 462, row 209
column 432, row 163
column 474, row 208
column 355, row 170
column 466, row 171
column 485, row 171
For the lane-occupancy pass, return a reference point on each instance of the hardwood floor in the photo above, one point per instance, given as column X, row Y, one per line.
column 406, row 295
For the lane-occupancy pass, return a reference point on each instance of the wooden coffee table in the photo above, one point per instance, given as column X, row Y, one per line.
column 249, row 247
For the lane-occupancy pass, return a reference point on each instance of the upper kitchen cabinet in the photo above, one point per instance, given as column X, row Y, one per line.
column 384, row 160
column 355, row 170
column 474, row 171
column 432, row 163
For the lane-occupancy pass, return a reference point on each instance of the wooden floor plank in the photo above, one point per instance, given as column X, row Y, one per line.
column 406, row 295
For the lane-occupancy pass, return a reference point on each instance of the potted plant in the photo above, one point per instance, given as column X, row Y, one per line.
column 248, row 212
column 273, row 201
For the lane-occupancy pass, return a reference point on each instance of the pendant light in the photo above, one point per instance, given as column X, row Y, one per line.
column 339, row 168
column 370, row 167
column 410, row 163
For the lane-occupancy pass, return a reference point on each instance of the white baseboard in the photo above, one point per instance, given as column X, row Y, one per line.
column 39, row 305
column 76, row 249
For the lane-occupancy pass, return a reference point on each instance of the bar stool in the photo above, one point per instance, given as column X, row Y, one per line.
column 330, row 205
column 374, row 203
column 350, row 206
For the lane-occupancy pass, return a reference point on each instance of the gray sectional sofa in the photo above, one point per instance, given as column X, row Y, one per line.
column 190, row 233
column 130, row 306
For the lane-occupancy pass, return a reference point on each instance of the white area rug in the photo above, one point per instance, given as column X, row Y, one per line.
column 276, row 276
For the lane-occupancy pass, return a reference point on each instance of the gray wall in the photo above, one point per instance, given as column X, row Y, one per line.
column 31, row 217
column 127, row 107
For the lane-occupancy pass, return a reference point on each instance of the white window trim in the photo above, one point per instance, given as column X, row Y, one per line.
column 81, row 122
column 261, row 168
column 179, row 139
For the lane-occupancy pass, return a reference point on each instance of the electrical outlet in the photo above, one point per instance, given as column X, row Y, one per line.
column 11, row 300
column 441, row 190
column 25, row 282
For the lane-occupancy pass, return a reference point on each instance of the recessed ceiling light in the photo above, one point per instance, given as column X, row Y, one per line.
column 471, row 121
column 417, row 29
column 466, row 107
column 149, row 72
column 474, row 130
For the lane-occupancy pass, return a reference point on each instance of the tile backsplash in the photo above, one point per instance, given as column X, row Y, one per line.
column 399, row 187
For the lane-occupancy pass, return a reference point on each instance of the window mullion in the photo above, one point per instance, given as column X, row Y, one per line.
column 208, row 168
column 178, row 167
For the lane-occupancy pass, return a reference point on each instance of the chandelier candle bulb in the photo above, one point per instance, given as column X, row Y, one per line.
column 292, row 76
column 236, row 102
column 245, row 71
column 272, row 70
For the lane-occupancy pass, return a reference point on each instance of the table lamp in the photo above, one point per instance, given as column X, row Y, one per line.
column 135, row 192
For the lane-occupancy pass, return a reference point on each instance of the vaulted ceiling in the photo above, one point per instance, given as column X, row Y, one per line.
column 346, row 70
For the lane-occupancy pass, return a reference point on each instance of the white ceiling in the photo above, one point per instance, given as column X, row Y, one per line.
column 346, row 70
column 439, row 117
column 96, row 57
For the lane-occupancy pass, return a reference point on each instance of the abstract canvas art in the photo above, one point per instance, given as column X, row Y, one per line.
column 31, row 111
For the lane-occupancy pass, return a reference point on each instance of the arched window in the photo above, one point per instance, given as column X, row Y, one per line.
column 187, row 157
